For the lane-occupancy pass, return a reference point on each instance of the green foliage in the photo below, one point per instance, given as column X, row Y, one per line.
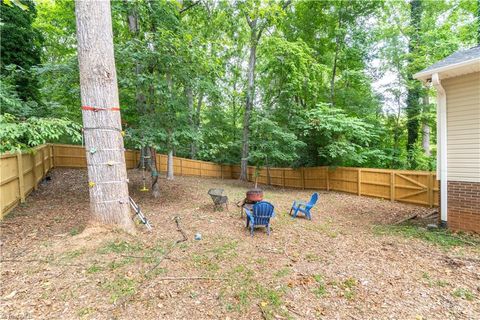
column 271, row 144
column 441, row 237
column 182, row 75
column 120, row 287
column 16, row 134
column 20, row 46
column 339, row 139
column 463, row 293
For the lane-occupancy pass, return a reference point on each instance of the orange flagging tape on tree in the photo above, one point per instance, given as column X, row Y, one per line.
column 89, row 108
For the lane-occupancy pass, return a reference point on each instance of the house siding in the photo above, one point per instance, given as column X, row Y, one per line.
column 463, row 127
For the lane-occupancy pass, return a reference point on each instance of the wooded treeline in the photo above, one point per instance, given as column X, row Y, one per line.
column 271, row 83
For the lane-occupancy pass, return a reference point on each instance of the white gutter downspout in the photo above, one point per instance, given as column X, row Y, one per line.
column 442, row 146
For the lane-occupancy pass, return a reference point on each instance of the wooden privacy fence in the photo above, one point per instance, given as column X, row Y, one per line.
column 417, row 187
column 21, row 173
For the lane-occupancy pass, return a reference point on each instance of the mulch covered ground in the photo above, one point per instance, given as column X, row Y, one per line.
column 340, row 265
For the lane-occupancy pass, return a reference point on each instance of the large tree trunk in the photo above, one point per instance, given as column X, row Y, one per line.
column 426, row 127
column 249, row 103
column 170, row 175
column 134, row 28
column 191, row 107
column 338, row 45
column 107, row 174
column 196, row 121
column 154, row 173
column 414, row 88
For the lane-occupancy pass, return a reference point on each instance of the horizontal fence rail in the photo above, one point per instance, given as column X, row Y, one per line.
column 416, row 187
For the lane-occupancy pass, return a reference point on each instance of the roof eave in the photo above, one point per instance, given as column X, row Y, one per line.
column 427, row 74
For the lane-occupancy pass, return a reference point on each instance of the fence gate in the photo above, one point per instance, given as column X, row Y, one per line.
column 413, row 187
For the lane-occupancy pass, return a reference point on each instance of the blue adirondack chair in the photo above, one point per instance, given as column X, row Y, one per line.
column 260, row 215
column 304, row 206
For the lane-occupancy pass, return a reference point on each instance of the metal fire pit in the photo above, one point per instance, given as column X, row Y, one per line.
column 254, row 195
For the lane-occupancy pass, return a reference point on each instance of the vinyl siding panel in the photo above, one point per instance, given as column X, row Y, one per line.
column 463, row 127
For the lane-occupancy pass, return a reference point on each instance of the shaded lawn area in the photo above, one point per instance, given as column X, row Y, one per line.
column 346, row 263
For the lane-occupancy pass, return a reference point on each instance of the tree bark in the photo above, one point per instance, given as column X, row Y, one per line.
column 414, row 88
column 254, row 36
column 426, row 127
column 338, row 44
column 197, row 119
column 170, row 165
column 107, row 174
column 478, row 22
column 134, row 28
column 189, row 96
column 154, row 173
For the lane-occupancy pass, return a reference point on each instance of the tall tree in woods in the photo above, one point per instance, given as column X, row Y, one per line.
column 148, row 157
column 414, row 93
column 20, row 48
column 259, row 16
column 107, row 174
column 478, row 22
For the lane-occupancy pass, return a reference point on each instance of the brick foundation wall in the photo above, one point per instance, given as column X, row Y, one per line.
column 464, row 206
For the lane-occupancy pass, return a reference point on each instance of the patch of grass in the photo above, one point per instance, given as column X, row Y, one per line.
column 204, row 262
column 94, row 268
column 325, row 228
column 74, row 231
column 441, row 283
column 463, row 293
column 120, row 287
column 243, row 297
column 70, row 255
column 115, row 264
column 85, row 312
column 441, row 237
column 226, row 250
column 120, row 246
column 282, row 272
column 349, row 288
column 272, row 296
column 210, row 259
column 156, row 272
column 312, row 257
column 271, row 301
column 432, row 282
column 320, row 289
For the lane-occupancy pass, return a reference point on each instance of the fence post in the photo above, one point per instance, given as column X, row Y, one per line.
column 34, row 171
column 181, row 167
column 328, row 178
column 43, row 163
column 430, row 189
column 359, row 181
column 50, row 157
column 303, row 178
column 21, row 183
column 283, row 177
column 53, row 156
column 392, row 185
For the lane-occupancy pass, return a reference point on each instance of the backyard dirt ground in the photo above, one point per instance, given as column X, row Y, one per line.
column 347, row 263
